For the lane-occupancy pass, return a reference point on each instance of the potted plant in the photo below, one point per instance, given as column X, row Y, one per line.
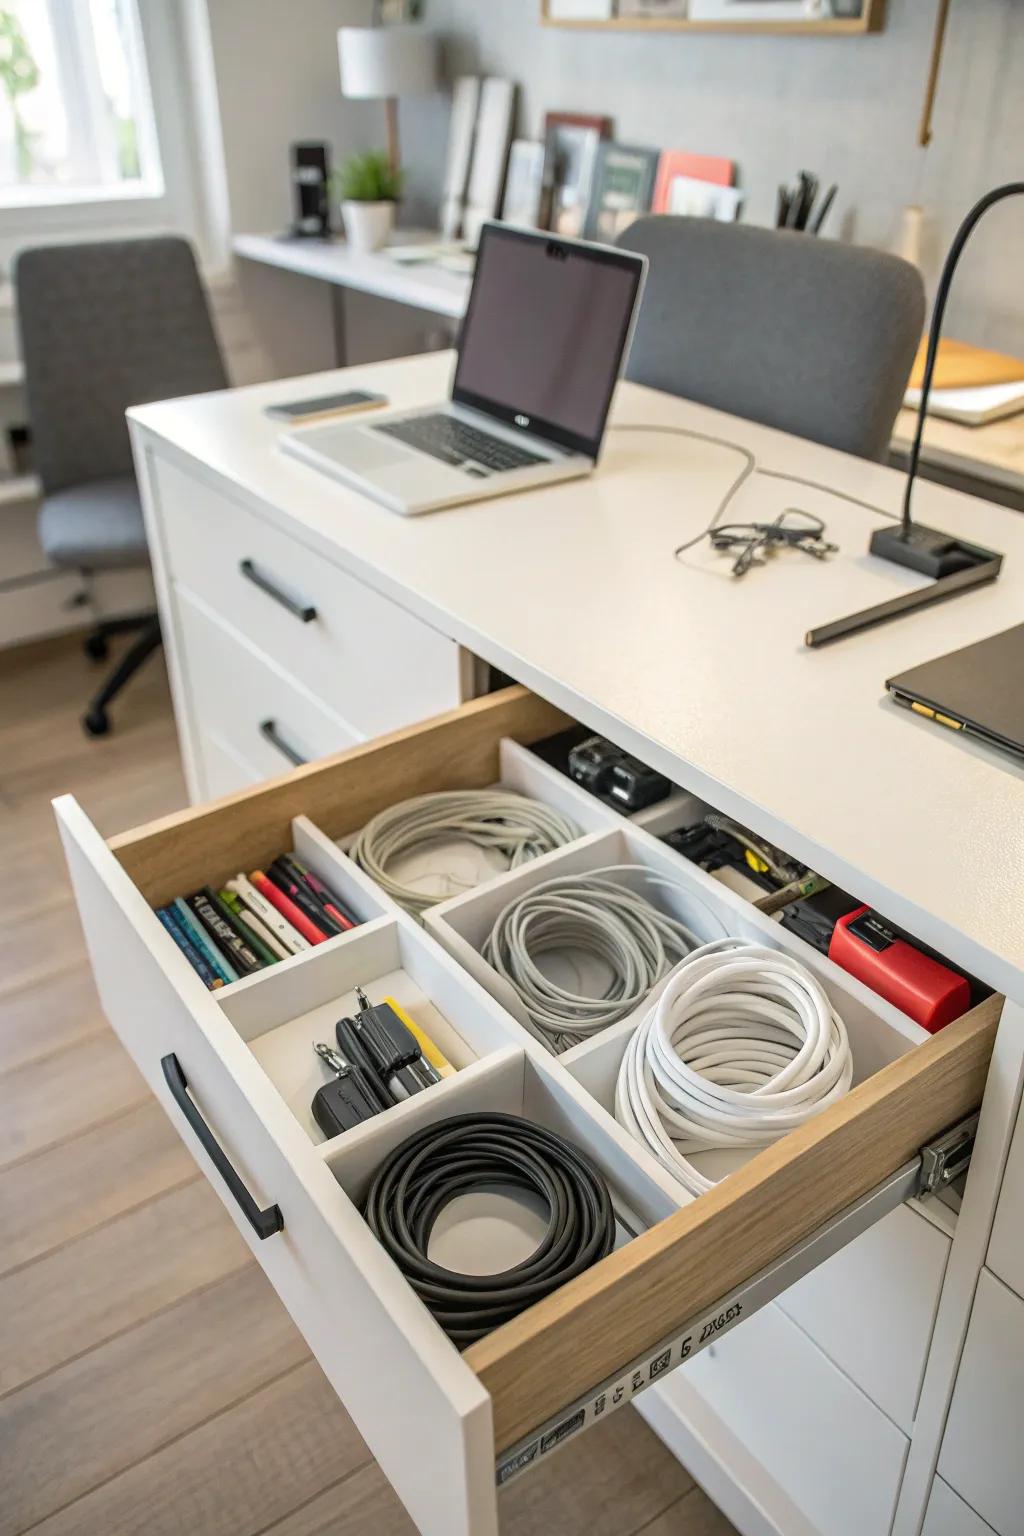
column 368, row 187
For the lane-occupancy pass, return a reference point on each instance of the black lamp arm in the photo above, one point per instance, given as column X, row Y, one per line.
column 963, row 234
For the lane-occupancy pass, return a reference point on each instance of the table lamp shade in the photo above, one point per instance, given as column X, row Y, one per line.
column 387, row 61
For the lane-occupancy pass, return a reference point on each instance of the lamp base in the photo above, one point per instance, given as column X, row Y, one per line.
column 926, row 550
column 954, row 566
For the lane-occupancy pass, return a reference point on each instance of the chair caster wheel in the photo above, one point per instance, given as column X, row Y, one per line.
column 96, row 722
column 97, row 648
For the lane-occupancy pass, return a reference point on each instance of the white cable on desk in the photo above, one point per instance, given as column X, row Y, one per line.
column 517, row 827
column 742, row 1046
column 598, row 914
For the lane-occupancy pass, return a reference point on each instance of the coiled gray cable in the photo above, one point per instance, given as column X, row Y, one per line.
column 515, row 826
column 599, row 914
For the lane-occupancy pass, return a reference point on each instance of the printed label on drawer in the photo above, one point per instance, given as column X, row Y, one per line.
column 619, row 1390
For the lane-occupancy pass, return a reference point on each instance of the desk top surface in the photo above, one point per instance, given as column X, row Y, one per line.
column 422, row 284
column 574, row 590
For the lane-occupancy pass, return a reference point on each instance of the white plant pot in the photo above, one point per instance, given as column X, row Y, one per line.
column 368, row 225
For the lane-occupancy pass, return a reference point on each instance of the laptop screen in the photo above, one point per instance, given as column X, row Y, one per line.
column 544, row 334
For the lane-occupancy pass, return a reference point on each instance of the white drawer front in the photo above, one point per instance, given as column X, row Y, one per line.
column 423, row 1413
column 981, row 1449
column 222, row 772
column 948, row 1515
column 832, row 1452
column 871, row 1308
column 366, row 658
column 246, row 705
column 1006, row 1250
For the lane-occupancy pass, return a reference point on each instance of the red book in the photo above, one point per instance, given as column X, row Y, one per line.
column 287, row 907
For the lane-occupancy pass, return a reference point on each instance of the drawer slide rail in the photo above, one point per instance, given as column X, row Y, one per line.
column 937, row 1165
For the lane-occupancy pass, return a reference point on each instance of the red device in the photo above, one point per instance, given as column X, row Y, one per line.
column 925, row 989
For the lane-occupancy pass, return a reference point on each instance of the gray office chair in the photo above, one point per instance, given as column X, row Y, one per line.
column 808, row 335
column 103, row 327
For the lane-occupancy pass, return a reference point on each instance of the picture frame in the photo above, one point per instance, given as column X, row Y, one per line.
column 571, row 144
column 581, row 10
column 523, row 202
column 622, row 190
column 743, row 12
column 652, row 10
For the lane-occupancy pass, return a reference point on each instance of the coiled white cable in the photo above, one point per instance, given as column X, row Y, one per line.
column 515, row 826
column 741, row 1046
column 599, row 914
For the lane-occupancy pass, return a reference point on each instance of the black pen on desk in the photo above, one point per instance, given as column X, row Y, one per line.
column 826, row 204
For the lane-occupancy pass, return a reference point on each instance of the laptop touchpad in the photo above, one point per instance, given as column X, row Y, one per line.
column 364, row 450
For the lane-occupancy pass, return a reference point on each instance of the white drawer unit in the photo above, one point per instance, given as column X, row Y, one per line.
column 948, row 1515
column 872, row 1308
column 1006, row 1249
column 233, row 1069
column 833, row 1452
column 253, row 711
column 363, row 656
column 981, row 1449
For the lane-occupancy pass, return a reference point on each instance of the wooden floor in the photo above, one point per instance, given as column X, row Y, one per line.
column 150, row 1381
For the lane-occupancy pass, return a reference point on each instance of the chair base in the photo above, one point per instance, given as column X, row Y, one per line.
column 96, row 720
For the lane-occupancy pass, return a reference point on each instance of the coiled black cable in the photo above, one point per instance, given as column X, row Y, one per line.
column 470, row 1152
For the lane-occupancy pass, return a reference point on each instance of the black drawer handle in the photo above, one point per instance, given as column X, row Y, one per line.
column 304, row 611
column 270, row 732
column 264, row 1223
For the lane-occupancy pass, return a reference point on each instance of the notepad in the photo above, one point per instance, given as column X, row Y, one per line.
column 972, row 407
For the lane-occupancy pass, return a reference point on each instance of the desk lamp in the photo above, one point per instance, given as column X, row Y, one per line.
column 955, row 565
column 384, row 63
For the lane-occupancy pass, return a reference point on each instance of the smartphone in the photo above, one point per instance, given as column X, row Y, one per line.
column 325, row 405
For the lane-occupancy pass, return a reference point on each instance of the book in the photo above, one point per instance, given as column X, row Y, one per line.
column 972, row 407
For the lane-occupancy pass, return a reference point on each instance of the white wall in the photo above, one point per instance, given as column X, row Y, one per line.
column 276, row 68
column 846, row 108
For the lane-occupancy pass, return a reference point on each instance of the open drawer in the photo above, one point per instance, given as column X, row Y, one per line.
column 438, row 1421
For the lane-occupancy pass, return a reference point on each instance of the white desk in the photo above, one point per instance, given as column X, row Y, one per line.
column 423, row 285
column 825, row 1414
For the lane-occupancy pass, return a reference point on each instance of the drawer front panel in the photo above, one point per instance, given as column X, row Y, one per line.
column 257, row 713
column 833, row 1453
column 222, row 772
column 366, row 658
column 980, row 1456
column 948, row 1515
column 871, row 1308
column 1006, row 1250
column 420, row 1410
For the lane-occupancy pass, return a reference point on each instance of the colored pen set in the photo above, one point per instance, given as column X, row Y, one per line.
column 381, row 1058
column 255, row 920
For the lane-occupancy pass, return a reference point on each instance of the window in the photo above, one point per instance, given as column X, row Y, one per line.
column 76, row 118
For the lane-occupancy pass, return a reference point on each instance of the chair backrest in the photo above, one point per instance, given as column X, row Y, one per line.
column 105, row 326
column 808, row 335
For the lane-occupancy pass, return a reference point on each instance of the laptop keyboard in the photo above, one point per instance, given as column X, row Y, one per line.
column 453, row 441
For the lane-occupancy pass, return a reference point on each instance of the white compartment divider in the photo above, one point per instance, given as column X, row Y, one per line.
column 283, row 1011
column 679, row 809
column 527, row 774
column 520, row 1082
column 879, row 1033
column 463, row 923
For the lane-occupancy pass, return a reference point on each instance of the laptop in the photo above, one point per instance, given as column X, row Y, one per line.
column 979, row 690
column 542, row 345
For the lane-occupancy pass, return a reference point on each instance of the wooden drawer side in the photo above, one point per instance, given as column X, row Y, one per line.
column 595, row 1326
column 456, row 750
